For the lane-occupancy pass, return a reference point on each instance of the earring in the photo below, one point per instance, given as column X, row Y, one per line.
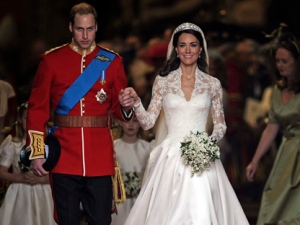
column 199, row 55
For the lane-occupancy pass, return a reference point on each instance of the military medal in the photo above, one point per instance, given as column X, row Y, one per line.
column 101, row 96
column 103, row 77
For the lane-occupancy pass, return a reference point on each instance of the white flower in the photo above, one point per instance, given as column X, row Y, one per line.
column 132, row 183
column 199, row 151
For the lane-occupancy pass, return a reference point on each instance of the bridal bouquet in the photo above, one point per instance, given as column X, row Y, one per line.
column 199, row 151
column 132, row 183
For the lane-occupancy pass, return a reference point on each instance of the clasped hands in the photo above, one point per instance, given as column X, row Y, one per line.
column 128, row 98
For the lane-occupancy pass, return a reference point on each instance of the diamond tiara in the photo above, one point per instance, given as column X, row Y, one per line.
column 187, row 26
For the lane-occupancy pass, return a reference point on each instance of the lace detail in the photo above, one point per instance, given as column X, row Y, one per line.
column 181, row 115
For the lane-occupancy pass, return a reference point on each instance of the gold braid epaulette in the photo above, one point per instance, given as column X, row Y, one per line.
column 53, row 49
column 108, row 50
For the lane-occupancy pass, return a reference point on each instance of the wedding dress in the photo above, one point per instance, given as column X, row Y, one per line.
column 169, row 194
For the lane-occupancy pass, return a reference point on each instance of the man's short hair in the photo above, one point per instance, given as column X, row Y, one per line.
column 82, row 9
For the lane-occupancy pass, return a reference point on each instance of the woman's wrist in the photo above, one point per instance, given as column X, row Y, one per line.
column 137, row 103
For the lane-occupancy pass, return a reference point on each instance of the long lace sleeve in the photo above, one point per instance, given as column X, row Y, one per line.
column 147, row 118
column 217, row 112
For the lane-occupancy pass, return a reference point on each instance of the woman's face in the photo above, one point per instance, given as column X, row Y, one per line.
column 285, row 63
column 188, row 49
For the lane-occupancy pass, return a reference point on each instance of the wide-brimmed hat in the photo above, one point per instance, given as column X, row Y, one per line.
column 52, row 153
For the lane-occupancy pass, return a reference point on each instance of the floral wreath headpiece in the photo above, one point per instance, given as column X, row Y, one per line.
column 187, row 26
column 280, row 35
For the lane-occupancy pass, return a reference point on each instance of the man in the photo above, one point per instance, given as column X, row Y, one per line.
column 81, row 82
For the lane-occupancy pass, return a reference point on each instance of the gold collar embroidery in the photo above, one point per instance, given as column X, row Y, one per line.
column 81, row 51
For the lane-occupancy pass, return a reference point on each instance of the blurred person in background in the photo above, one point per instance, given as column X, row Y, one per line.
column 8, row 105
column 217, row 68
column 281, row 194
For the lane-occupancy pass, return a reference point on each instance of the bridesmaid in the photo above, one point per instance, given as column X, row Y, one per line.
column 281, row 195
column 28, row 199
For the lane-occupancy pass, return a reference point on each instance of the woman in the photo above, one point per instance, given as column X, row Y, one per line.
column 281, row 195
column 28, row 199
column 169, row 194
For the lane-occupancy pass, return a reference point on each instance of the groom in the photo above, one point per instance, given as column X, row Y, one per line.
column 81, row 82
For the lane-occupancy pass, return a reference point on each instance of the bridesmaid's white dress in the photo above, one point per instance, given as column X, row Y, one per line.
column 23, row 204
column 169, row 195
column 132, row 157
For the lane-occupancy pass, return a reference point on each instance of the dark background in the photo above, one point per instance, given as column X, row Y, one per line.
column 48, row 20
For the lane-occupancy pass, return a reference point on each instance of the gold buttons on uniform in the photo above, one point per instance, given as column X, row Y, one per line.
column 83, row 61
column 83, row 105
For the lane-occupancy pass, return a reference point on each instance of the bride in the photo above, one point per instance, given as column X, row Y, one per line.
column 183, row 89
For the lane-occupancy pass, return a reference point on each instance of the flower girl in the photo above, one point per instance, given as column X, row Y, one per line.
column 132, row 154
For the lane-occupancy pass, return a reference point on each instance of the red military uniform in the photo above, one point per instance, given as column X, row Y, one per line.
column 85, row 151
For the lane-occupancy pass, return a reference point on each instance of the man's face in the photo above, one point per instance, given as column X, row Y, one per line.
column 84, row 30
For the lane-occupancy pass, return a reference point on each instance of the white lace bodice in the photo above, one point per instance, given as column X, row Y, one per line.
column 183, row 116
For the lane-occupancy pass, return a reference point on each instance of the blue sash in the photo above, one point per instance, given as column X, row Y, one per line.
column 84, row 82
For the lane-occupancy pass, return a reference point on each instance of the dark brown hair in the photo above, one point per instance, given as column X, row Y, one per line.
column 82, row 9
column 174, row 62
column 288, row 42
